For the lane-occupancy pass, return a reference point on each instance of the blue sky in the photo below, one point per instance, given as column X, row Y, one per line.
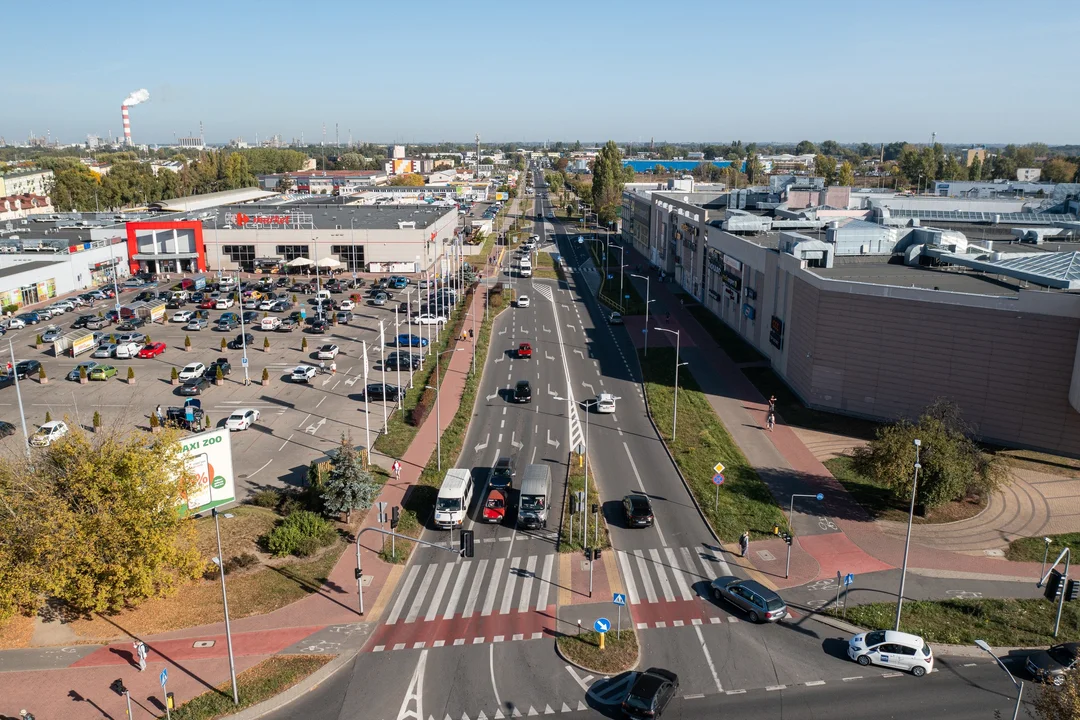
column 875, row 70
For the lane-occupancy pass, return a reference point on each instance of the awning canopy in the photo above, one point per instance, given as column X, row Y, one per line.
column 300, row 262
column 328, row 262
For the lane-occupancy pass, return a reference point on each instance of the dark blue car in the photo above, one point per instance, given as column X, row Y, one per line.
column 407, row 340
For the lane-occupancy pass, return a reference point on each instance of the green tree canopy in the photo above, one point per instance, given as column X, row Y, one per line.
column 805, row 147
column 348, row 486
column 607, row 182
column 1059, row 170
column 825, row 167
column 846, row 175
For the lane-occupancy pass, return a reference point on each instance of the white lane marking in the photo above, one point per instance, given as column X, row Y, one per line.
column 418, row 601
column 814, row 683
column 493, row 588
column 511, row 581
column 545, row 583
column 285, row 443
column 250, row 475
column 440, row 590
column 304, row 420
column 474, row 590
column 773, row 688
column 455, row 594
column 658, row 564
column 854, row 677
column 526, row 585
column 415, row 692
column 628, row 577
column 680, row 579
column 403, row 595
column 583, row 682
column 320, row 402
column 646, row 580
column 491, row 664
column 641, row 487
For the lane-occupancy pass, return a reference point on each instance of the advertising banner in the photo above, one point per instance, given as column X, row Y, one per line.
column 208, row 457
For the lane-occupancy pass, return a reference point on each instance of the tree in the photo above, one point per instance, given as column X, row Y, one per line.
column 1002, row 168
column 94, row 523
column 348, row 486
column 846, row 175
column 953, row 466
column 628, row 174
column 607, row 183
column 866, row 150
column 1059, row 703
column 892, row 150
column 975, row 170
column 284, row 184
column 659, row 169
column 1059, row 170
column 755, row 172
column 407, row 180
column 805, row 147
column 825, row 167
column 830, row 147
column 238, row 172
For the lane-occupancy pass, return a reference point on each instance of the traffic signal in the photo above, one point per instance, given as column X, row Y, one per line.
column 358, row 573
column 596, row 554
column 467, row 543
column 573, row 504
column 395, row 517
column 786, row 537
column 1053, row 588
column 1072, row 590
column 595, row 508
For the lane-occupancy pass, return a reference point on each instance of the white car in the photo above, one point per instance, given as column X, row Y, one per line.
column 899, row 650
column 328, row 352
column 303, row 373
column 523, row 301
column 270, row 323
column 242, row 419
column 126, row 350
column 223, row 303
column 267, row 304
column 183, row 316
column 15, row 324
column 49, row 432
column 347, row 305
column 605, row 403
column 57, row 309
column 192, row 370
column 429, row 319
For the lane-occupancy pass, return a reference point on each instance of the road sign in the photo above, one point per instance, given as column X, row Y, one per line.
column 718, row 479
column 849, row 579
column 243, row 362
column 610, row 276
column 718, row 468
column 602, row 625
column 580, row 239
column 164, row 677
column 820, row 497
column 619, row 599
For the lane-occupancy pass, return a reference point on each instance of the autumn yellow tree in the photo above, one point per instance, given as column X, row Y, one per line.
column 408, row 180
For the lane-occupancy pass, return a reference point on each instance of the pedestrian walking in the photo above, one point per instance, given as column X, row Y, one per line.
column 160, row 416
column 772, row 403
column 333, row 368
column 396, row 467
column 770, row 420
column 744, row 542
column 140, row 653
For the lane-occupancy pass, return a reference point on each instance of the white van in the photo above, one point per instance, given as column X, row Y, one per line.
column 322, row 295
column 126, row 350
column 270, row 323
column 454, row 498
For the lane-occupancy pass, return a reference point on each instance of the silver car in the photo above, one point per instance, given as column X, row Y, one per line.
column 757, row 601
column 197, row 324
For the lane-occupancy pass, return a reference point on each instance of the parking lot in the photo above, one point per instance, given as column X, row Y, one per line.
column 298, row 422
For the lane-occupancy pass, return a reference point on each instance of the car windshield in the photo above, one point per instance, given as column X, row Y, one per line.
column 448, row 504
column 1062, row 654
column 532, row 502
column 774, row 603
column 875, row 638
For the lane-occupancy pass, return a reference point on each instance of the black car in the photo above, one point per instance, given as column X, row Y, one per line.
column 175, row 304
column 1051, row 665
column 408, row 361
column 250, row 316
column 131, row 324
column 334, row 286
column 318, row 325
column 23, row 368
column 194, row 386
column 379, row 391
column 6, row 429
column 502, row 475
column 212, row 368
column 82, row 320
column 241, row 340
column 523, row 392
column 650, row 694
column 637, row 509
column 144, row 296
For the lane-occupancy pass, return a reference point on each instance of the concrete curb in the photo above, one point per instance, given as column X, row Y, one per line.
column 637, row 659
column 303, row 687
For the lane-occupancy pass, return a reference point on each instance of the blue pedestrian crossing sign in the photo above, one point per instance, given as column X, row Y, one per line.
column 602, row 625
column 849, row 579
column 619, row 599
column 164, row 677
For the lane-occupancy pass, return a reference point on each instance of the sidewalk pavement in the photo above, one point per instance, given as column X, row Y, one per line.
column 46, row 681
column 837, row 535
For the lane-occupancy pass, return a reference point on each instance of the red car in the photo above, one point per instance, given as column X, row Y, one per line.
column 207, row 304
column 524, row 351
column 152, row 350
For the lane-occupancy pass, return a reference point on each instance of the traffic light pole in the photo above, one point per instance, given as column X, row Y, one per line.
column 1063, row 584
column 466, row 540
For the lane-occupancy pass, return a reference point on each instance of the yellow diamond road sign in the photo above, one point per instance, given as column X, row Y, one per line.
column 719, row 468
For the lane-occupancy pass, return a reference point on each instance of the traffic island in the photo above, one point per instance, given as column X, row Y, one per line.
column 620, row 653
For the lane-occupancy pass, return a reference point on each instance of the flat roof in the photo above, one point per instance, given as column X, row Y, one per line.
column 26, row 266
column 898, row 275
column 326, row 216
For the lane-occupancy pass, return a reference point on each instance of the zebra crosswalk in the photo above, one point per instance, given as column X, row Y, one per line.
column 668, row 574
column 474, row 587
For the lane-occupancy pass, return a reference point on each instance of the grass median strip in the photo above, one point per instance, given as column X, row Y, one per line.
column 620, row 651
column 576, row 483
column 271, row 677
column 546, row 267
column 745, row 502
column 1005, row 622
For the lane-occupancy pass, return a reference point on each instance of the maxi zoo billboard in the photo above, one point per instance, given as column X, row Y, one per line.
column 208, row 458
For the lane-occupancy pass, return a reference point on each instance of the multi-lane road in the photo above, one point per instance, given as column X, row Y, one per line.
column 472, row 638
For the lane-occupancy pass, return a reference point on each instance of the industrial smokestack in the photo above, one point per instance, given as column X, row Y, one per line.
column 135, row 98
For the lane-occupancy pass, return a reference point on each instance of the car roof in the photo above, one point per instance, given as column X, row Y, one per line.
column 895, row 636
column 521, row 383
column 605, row 396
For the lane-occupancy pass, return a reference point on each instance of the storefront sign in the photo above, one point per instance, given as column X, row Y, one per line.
column 243, row 219
column 776, row 332
column 748, row 311
column 751, row 293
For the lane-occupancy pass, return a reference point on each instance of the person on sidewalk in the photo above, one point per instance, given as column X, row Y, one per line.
column 396, row 467
column 333, row 367
column 772, row 403
column 744, row 542
column 140, row 653
column 770, row 420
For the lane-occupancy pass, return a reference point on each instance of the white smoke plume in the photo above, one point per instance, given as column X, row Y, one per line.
column 139, row 96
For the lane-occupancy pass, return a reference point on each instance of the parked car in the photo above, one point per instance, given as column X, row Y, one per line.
column 379, row 299
column 126, row 350
column 207, row 304
column 192, row 370
column 650, row 694
column 757, row 601
column 104, row 350
column 133, row 337
column 177, row 416
column 131, row 324
column 49, row 433
column 194, row 386
column 899, row 650
column 6, row 429
column 347, row 305
column 197, row 324
column 96, row 323
column 223, row 303
column 270, row 323
column 22, row 369
column 637, row 510
column 524, row 351
column 80, row 322
column 328, row 352
column 250, row 317
column 381, row 391
column 242, row 419
column 182, row 317
column 240, row 341
column 212, row 368
column 407, row 340
column 267, row 305
column 407, row 360
column 1053, row 664
column 287, row 325
column 102, row 372
column 523, row 392
column 303, row 373
column 429, row 319
column 52, row 334
column 318, row 326
column 152, row 350
column 343, row 317
column 86, row 365
column 30, row 318
column 16, row 323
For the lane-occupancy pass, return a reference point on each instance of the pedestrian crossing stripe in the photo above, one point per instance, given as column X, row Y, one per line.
column 667, row 575
column 474, row 587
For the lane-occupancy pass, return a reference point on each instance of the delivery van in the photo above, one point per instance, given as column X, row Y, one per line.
column 534, row 497
column 454, row 497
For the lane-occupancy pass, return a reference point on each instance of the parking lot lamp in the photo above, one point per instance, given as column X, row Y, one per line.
column 907, row 543
column 243, row 337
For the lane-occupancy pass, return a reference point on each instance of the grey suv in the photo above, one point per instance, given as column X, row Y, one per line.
column 757, row 601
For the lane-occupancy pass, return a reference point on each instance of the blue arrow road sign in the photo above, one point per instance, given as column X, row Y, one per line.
column 164, row 677
column 718, row 479
column 602, row 625
column 820, row 497
column 849, row 579
column 619, row 599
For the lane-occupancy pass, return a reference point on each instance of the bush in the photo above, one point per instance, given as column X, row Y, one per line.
column 424, row 405
column 266, row 498
column 48, row 416
column 97, row 419
column 39, row 341
column 41, row 373
column 265, row 375
column 301, row 533
column 174, row 374
column 82, row 372
column 12, row 308
column 154, row 422
column 187, row 341
column 303, row 344
column 224, row 344
column 237, row 562
column 291, row 504
column 131, row 373
column 219, row 374
column 266, row 343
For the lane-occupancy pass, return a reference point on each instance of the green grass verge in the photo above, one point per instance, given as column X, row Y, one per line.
column 745, row 503
column 576, row 482
column 271, row 677
column 793, row 412
column 1006, row 622
column 620, row 651
column 547, row 267
column 1032, row 549
column 732, row 343
column 609, row 289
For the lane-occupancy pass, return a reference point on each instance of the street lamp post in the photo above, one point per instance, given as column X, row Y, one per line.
column 1046, row 554
column 1018, row 684
column 675, row 406
column 907, row 542
column 791, row 520
column 243, row 334
column 367, row 414
column 587, row 404
column 647, row 301
column 18, row 395
column 397, row 329
column 225, row 602
column 438, row 415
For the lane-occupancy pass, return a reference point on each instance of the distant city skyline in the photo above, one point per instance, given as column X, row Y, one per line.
column 847, row 71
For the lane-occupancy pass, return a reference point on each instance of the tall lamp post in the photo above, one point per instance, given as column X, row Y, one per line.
column 1018, row 684
column 588, row 405
column 243, row 333
column 907, row 542
column 438, row 415
column 647, row 301
column 225, row 601
column 675, row 407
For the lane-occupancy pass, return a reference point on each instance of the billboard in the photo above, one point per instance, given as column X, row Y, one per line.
column 208, row 458
column 401, row 167
column 501, row 196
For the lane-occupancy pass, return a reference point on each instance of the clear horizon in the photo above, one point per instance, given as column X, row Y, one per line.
column 444, row 72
